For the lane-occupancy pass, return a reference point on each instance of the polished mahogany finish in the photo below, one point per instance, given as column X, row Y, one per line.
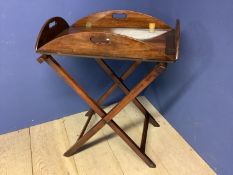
column 120, row 19
column 102, row 35
column 116, row 34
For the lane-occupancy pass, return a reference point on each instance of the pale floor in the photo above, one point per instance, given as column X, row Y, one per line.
column 38, row 150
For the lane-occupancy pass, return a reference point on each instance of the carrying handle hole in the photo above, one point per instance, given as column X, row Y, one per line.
column 119, row 15
column 100, row 40
column 52, row 24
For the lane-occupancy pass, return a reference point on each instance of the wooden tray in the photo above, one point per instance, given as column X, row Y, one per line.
column 117, row 34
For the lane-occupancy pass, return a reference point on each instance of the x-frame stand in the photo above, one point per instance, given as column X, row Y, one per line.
column 107, row 118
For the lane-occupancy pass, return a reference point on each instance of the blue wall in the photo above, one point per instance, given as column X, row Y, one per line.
column 196, row 93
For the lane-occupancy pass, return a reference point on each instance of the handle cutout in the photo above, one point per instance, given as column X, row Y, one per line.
column 100, row 40
column 52, row 24
column 119, row 16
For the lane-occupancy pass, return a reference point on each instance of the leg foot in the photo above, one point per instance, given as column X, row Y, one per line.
column 152, row 120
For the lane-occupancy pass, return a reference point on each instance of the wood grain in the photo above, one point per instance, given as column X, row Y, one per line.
column 109, row 155
column 49, row 141
column 133, row 19
column 80, row 44
column 97, row 159
column 15, row 153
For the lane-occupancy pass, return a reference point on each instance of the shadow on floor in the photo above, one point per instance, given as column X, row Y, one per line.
column 109, row 136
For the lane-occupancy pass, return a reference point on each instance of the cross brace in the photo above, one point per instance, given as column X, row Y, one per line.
column 107, row 117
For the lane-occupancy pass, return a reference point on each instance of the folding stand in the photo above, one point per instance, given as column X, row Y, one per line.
column 65, row 40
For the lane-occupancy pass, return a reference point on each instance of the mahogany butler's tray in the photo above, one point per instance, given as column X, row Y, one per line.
column 117, row 34
column 114, row 34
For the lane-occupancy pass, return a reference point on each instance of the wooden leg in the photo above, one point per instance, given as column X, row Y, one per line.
column 106, row 118
column 125, row 75
column 74, row 149
column 123, row 87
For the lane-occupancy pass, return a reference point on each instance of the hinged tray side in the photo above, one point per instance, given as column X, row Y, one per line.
column 120, row 18
column 102, row 44
column 52, row 27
